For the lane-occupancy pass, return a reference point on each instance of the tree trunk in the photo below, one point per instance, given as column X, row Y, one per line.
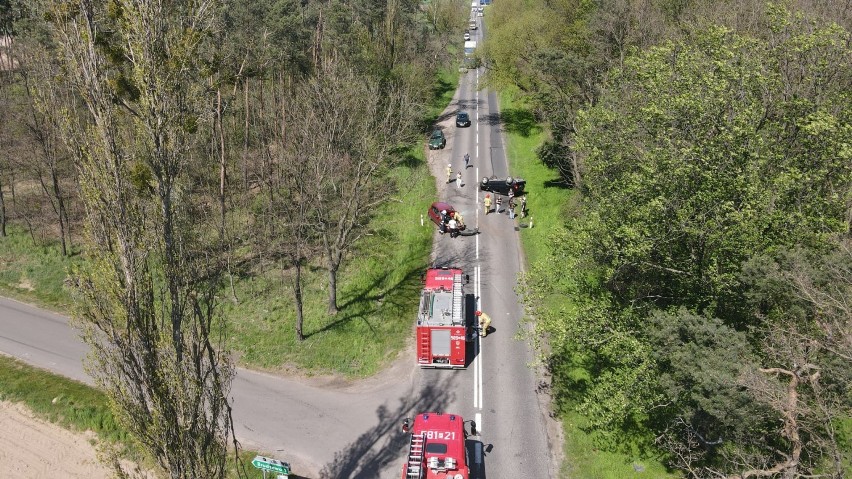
column 222, row 165
column 2, row 212
column 332, row 290
column 297, row 293
column 60, row 210
column 245, row 135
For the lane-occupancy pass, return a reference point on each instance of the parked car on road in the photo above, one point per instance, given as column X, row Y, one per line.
column 437, row 141
column 462, row 119
column 466, row 36
column 503, row 186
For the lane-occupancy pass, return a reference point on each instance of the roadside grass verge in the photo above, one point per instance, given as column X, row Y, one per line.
column 34, row 272
column 62, row 401
column 442, row 91
column 549, row 202
column 77, row 407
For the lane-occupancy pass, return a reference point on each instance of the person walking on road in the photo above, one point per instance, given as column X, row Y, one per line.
column 484, row 323
column 459, row 179
column 466, row 160
column 449, row 173
column 487, row 203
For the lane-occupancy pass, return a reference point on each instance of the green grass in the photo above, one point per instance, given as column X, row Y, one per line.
column 442, row 92
column 75, row 406
column 585, row 460
column 548, row 204
column 62, row 401
column 377, row 296
column 34, row 273
column 546, row 199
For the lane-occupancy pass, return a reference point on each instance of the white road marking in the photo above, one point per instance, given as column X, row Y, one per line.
column 477, row 361
column 477, row 358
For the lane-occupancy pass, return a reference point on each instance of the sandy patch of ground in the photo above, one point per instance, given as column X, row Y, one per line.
column 33, row 448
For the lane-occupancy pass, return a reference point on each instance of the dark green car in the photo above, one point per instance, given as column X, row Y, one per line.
column 437, row 140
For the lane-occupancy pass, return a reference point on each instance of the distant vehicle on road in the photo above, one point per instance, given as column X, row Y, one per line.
column 472, row 24
column 462, row 119
column 466, row 36
column 469, row 47
column 503, row 186
column 437, row 141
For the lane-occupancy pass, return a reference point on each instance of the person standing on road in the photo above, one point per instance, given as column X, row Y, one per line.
column 466, row 160
column 487, row 203
column 459, row 179
column 453, row 226
column 484, row 323
column 499, row 203
column 449, row 173
column 523, row 206
column 511, row 208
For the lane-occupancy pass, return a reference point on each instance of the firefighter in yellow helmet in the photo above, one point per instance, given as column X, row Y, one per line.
column 484, row 323
column 487, row 203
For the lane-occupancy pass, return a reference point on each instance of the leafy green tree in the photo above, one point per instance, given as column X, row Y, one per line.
column 693, row 165
column 699, row 155
column 147, row 296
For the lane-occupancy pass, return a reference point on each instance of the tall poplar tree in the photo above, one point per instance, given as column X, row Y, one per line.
column 147, row 305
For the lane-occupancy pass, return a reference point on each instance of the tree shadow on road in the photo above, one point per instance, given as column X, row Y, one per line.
column 385, row 443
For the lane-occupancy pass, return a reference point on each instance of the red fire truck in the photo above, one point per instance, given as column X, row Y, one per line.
column 436, row 449
column 442, row 327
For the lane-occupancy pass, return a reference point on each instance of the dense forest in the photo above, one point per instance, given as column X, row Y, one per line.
column 696, row 300
column 176, row 142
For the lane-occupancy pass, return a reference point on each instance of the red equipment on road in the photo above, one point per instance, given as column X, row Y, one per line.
column 436, row 449
column 442, row 326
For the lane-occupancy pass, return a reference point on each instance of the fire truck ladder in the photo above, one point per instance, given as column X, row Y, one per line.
column 457, row 299
column 415, row 455
column 425, row 343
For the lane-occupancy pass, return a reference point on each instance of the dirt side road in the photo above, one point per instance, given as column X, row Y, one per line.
column 33, row 448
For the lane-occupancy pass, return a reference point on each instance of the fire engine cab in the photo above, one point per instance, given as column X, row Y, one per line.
column 442, row 329
column 436, row 449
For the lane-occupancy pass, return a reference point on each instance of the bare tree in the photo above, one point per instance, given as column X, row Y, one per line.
column 285, row 225
column 350, row 129
column 147, row 304
column 52, row 166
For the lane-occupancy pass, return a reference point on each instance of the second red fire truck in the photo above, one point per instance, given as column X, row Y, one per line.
column 436, row 449
column 442, row 326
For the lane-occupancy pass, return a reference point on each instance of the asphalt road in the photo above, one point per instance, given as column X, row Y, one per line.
column 339, row 430
column 499, row 390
